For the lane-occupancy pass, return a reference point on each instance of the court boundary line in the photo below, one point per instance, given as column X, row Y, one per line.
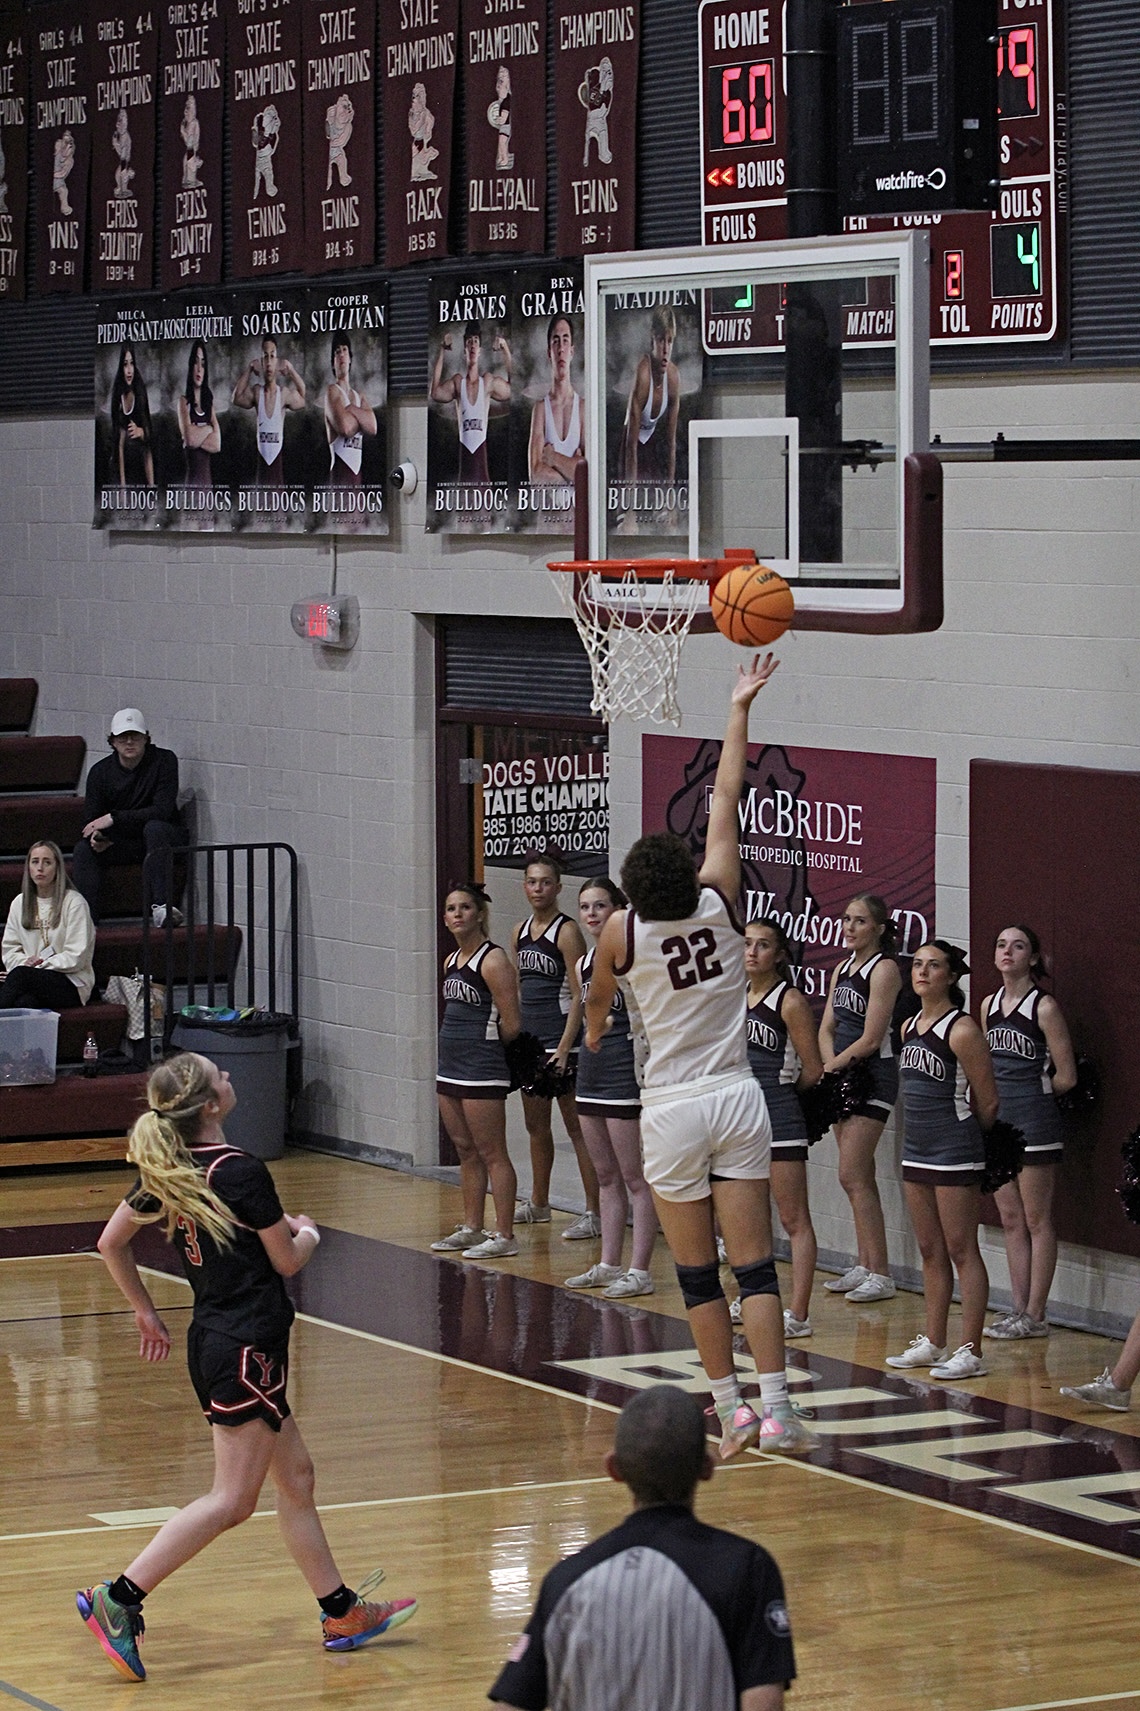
column 1059, row 1704
column 26, row 1698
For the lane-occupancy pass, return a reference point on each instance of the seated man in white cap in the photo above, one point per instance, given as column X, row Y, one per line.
column 132, row 809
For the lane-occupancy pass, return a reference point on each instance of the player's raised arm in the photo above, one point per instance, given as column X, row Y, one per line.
column 721, row 866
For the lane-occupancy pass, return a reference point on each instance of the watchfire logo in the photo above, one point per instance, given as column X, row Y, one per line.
column 935, row 180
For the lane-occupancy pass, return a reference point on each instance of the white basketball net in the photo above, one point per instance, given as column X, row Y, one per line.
column 633, row 630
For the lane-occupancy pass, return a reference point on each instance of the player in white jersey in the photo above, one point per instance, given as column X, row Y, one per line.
column 705, row 1129
column 270, row 385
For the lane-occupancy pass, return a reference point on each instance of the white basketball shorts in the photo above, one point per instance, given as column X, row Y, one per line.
column 689, row 1134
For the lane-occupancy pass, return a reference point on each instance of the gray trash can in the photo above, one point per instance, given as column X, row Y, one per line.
column 255, row 1054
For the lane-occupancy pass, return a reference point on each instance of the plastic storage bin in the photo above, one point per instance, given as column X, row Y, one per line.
column 27, row 1047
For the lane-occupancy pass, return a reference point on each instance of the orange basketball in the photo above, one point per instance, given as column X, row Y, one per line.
column 752, row 605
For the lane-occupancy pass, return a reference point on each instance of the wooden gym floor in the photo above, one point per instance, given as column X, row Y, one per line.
column 970, row 1548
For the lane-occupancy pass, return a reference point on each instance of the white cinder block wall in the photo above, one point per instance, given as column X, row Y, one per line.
column 335, row 754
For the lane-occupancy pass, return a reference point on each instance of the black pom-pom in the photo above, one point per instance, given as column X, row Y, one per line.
column 1129, row 1190
column 1005, row 1155
column 856, row 1084
column 525, row 1056
column 820, row 1107
column 1085, row 1094
column 551, row 1080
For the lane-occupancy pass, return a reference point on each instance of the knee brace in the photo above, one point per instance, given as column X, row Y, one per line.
column 700, row 1284
column 758, row 1279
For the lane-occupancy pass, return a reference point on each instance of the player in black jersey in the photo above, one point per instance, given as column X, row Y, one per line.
column 220, row 1209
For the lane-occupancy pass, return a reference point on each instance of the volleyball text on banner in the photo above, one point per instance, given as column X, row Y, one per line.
column 470, row 395
column 192, row 103
column 417, row 94
column 61, row 120
column 548, row 411
column 595, row 98
column 348, row 395
column 339, row 48
column 267, row 216
column 122, row 50
column 504, row 70
column 15, row 40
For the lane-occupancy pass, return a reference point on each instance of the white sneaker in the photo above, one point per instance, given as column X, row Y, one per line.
column 736, row 1312
column 526, row 1212
column 495, row 1247
column 1016, row 1328
column 963, row 1363
column 598, row 1277
column 721, row 1251
column 1101, row 1393
column 158, row 915
column 999, row 1327
column 630, row 1282
column 850, row 1280
column 920, row 1351
column 587, row 1228
column 874, row 1287
column 794, row 1327
column 460, row 1239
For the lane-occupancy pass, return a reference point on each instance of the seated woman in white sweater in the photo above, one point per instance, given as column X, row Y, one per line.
column 49, row 938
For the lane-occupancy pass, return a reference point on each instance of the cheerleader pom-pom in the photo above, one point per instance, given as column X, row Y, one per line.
column 1085, row 1094
column 856, row 1084
column 525, row 1056
column 1129, row 1191
column 552, row 1081
column 820, row 1107
column 1005, row 1155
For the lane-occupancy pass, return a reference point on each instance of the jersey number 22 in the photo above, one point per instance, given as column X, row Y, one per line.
column 693, row 959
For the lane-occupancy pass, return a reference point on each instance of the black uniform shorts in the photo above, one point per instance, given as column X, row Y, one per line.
column 235, row 1382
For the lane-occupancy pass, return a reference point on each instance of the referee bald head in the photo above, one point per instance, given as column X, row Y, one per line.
column 661, row 1448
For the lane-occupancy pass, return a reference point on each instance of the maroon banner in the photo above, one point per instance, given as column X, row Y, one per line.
column 417, row 61
column 817, row 827
column 62, row 144
column 15, row 43
column 122, row 52
column 267, row 216
column 505, row 73
column 192, row 106
column 339, row 46
column 595, row 97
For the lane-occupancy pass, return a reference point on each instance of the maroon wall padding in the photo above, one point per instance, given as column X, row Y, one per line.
column 118, row 950
column 72, row 1105
column 23, row 819
column 41, row 763
column 1056, row 848
column 17, row 702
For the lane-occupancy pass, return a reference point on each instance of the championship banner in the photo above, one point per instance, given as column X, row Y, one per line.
column 596, row 55
column 15, row 45
column 348, row 370
column 505, row 85
column 123, row 54
column 546, row 790
column 61, row 145
column 417, row 63
column 267, row 216
column 131, row 451
column 276, row 439
column 817, row 828
column 339, row 48
column 548, row 415
column 469, row 400
column 653, row 349
column 192, row 108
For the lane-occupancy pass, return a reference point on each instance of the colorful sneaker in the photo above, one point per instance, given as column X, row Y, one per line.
column 963, row 1363
column 874, row 1287
column 598, row 1277
column 794, row 1327
column 461, row 1238
column 783, row 1431
column 920, row 1351
column 1101, row 1393
column 630, row 1282
column 364, row 1622
column 739, row 1430
column 117, row 1627
column 495, row 1247
column 527, row 1213
column 850, row 1280
column 586, row 1228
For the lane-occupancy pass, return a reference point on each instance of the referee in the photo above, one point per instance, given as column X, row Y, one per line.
column 662, row 1613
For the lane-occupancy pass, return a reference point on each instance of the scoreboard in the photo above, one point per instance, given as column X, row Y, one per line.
column 998, row 277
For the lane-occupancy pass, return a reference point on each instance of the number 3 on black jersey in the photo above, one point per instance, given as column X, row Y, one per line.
column 693, row 959
column 190, row 1236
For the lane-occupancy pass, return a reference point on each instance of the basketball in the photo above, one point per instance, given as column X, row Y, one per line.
column 752, row 605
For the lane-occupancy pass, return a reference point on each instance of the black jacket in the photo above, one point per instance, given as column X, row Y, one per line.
column 150, row 792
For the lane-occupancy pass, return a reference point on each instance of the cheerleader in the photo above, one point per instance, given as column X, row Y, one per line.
column 783, row 1051
column 944, row 1058
column 857, row 1024
column 480, row 1012
column 609, row 1108
column 1033, row 1059
column 547, row 949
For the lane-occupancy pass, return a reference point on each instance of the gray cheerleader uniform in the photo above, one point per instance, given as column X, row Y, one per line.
column 1023, row 1071
column 472, row 1063
column 773, row 1061
column 607, row 1081
column 943, row 1144
column 544, row 985
column 849, row 1007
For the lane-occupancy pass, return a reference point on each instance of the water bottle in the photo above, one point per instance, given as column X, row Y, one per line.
column 90, row 1056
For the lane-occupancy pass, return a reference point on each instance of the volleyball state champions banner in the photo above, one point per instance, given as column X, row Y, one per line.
column 817, row 827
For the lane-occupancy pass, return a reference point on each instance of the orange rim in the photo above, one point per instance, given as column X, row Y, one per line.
column 649, row 569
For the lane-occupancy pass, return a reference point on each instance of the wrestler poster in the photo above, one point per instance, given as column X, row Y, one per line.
column 655, row 371
column 15, row 50
column 595, row 94
column 339, row 53
column 61, row 141
column 470, row 372
column 505, row 86
column 817, row 827
column 418, row 41
column 348, row 390
column 123, row 54
column 267, row 214
column 191, row 106
column 549, row 411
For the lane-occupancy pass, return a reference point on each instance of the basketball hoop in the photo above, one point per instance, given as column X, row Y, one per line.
column 633, row 616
